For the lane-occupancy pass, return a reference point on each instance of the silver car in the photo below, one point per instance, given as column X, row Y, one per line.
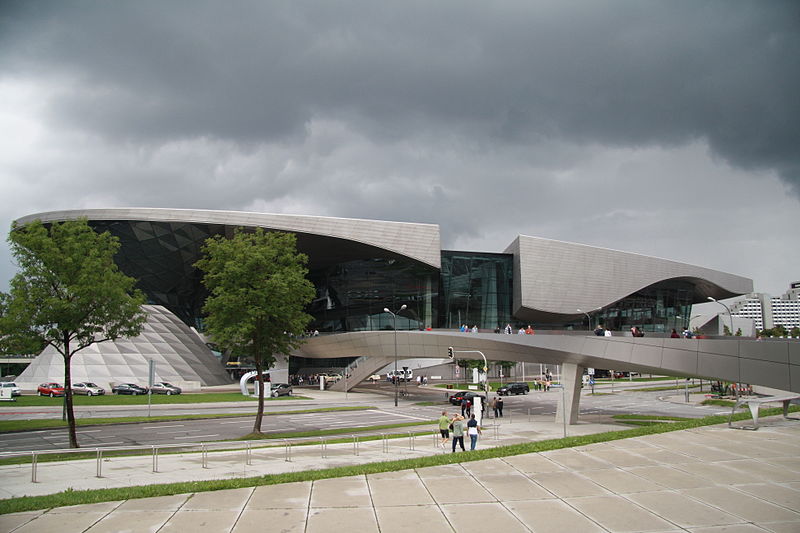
column 165, row 388
column 88, row 388
column 15, row 391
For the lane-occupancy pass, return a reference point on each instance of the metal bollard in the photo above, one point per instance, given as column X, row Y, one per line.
column 99, row 462
column 411, row 439
column 248, row 455
column 155, row 459
column 355, row 445
column 323, row 444
column 34, row 459
column 287, row 451
column 385, row 439
column 496, row 434
column 204, row 455
column 436, row 437
column 529, row 414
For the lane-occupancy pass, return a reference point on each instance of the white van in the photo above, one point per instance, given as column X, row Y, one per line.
column 409, row 374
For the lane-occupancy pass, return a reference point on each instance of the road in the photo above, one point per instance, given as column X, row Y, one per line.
column 381, row 395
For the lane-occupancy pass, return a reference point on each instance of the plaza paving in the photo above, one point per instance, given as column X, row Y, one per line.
column 701, row 480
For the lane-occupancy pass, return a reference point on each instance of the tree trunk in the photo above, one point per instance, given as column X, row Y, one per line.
column 73, row 436
column 260, row 380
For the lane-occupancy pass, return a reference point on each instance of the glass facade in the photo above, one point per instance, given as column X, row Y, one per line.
column 657, row 308
column 476, row 289
column 352, row 295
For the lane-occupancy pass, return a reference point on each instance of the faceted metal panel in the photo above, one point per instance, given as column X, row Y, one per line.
column 179, row 354
column 766, row 350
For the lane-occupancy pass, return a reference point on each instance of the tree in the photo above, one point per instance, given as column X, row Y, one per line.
column 258, row 292
column 795, row 332
column 726, row 331
column 68, row 294
column 505, row 366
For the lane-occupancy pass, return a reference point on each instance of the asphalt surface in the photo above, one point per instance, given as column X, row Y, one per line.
column 535, row 403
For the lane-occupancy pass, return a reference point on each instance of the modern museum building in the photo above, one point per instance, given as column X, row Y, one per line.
column 361, row 267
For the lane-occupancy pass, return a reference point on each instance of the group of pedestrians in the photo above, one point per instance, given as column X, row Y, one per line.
column 458, row 427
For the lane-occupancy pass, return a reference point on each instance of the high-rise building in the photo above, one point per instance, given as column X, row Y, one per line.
column 768, row 312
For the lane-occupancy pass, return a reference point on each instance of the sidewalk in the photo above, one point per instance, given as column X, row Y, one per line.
column 700, row 480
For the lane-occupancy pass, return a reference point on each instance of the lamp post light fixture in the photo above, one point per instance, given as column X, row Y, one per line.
column 386, row 310
column 588, row 316
column 728, row 309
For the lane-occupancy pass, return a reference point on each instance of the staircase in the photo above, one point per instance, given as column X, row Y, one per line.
column 359, row 370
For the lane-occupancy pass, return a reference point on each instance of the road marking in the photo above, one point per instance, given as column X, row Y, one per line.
column 161, row 427
column 407, row 416
column 196, row 436
column 90, row 431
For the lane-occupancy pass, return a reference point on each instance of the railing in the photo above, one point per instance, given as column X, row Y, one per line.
column 246, row 448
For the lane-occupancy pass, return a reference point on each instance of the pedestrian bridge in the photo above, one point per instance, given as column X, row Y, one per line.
column 773, row 363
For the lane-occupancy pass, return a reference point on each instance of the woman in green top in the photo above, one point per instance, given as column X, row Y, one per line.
column 458, row 432
column 444, row 427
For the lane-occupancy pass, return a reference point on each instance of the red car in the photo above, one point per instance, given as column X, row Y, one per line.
column 50, row 389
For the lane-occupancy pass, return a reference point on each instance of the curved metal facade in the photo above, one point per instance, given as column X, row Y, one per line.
column 554, row 279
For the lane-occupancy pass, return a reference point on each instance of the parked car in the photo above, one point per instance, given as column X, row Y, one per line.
column 128, row 388
column 456, row 398
column 514, row 388
column 88, row 388
column 280, row 389
column 15, row 391
column 50, row 389
column 165, row 388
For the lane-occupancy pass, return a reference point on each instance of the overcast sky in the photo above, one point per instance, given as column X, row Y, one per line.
column 664, row 128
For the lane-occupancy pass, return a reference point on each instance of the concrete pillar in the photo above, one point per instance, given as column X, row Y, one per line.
column 571, row 375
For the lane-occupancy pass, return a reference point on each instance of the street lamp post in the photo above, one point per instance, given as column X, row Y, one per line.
column 386, row 310
column 726, row 308
column 588, row 319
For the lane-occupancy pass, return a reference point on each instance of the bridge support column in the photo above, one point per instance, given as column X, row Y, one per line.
column 571, row 375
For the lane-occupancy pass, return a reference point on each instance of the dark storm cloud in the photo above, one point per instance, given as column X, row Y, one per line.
column 610, row 73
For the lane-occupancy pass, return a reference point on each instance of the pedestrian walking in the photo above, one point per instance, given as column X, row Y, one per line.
column 499, row 407
column 457, row 427
column 464, row 403
column 494, row 406
column 444, row 428
column 473, row 430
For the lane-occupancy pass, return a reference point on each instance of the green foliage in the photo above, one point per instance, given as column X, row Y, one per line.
column 68, row 294
column 739, row 332
column 726, row 331
column 795, row 332
column 257, row 294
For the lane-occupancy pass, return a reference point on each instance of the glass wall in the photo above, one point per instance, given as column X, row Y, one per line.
column 658, row 308
column 351, row 295
column 475, row 289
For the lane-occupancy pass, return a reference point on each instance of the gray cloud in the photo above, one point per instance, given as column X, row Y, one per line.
column 633, row 125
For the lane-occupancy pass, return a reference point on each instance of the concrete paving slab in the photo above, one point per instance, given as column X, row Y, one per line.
column 552, row 516
column 260, row 520
column 775, row 493
column 792, row 463
column 489, row 467
column 735, row 528
column 750, row 508
column 444, row 471
column 569, row 485
column 754, row 470
column 621, row 481
column 621, row 458
column 662, row 456
column 158, row 503
column 412, row 519
column 200, row 521
column 338, row 520
column 618, row 514
column 682, row 510
column 782, row 527
column 102, row 507
column 575, row 459
column 219, row 500
column 669, row 476
column 9, row 522
column 61, row 522
column 131, row 522
column 387, row 492
column 714, row 472
column 341, row 492
column 483, row 517
column 533, row 463
column 513, row 487
column 283, row 496
column 465, row 490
